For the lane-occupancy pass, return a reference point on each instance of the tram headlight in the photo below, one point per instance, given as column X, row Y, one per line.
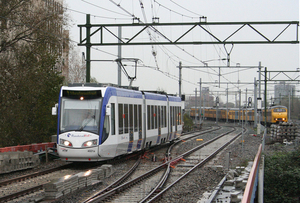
column 89, row 143
column 65, row 143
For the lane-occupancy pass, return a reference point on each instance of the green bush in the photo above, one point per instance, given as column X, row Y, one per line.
column 282, row 177
column 188, row 123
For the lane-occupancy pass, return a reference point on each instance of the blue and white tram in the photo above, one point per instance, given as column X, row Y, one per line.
column 99, row 123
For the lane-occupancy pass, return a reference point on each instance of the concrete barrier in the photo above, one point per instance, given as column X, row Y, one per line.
column 71, row 183
column 14, row 161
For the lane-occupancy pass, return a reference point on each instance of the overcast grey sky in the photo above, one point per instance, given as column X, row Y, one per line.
column 160, row 72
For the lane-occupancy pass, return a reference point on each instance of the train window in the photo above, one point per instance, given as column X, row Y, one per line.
column 179, row 113
column 170, row 119
column 152, row 117
column 80, row 115
column 131, row 117
column 155, row 117
column 126, row 117
column 112, row 116
column 165, row 116
column 140, row 117
column 279, row 110
column 105, row 129
column 121, row 119
column 174, row 115
column 162, row 116
column 182, row 117
column 148, row 117
column 159, row 117
column 135, row 118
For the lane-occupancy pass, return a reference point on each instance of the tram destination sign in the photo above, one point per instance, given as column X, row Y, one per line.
column 86, row 94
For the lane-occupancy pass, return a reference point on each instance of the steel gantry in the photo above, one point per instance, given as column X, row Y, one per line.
column 108, row 34
column 106, row 31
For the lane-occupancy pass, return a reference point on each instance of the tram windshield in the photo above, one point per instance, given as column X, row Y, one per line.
column 80, row 115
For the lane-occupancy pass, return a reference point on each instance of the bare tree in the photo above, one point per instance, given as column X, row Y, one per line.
column 30, row 46
column 77, row 67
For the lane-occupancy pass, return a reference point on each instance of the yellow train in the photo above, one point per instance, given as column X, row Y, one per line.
column 275, row 114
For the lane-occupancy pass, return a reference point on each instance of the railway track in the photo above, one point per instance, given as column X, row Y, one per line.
column 149, row 185
column 39, row 187
column 23, row 178
column 222, row 141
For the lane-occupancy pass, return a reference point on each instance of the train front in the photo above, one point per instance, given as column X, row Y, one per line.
column 279, row 114
column 78, row 123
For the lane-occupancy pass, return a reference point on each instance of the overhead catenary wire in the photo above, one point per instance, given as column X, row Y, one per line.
column 165, row 7
column 185, row 8
column 149, row 33
column 193, row 13
column 96, row 16
column 141, row 4
column 105, row 8
column 154, row 39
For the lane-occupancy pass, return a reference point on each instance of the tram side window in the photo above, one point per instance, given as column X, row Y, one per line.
column 170, row 112
column 155, row 117
column 148, row 117
column 171, row 116
column 113, row 114
column 131, row 117
column 152, row 117
column 174, row 118
column 158, row 117
column 165, row 116
column 135, row 118
column 162, row 117
column 140, row 117
column 179, row 115
column 126, row 117
column 174, row 115
column 121, row 119
column 105, row 129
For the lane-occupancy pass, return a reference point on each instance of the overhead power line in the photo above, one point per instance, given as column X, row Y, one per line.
column 165, row 7
column 185, row 8
column 104, row 8
column 96, row 16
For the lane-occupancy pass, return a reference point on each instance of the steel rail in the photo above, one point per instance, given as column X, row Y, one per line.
column 163, row 179
column 20, row 193
column 159, row 186
column 32, row 175
column 116, row 183
column 193, row 168
column 122, row 187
